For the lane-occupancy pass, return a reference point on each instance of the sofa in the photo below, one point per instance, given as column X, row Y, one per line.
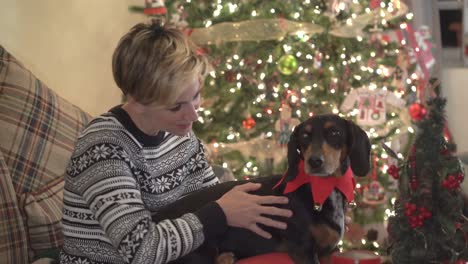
column 38, row 130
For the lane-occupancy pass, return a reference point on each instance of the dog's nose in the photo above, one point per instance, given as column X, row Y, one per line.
column 316, row 162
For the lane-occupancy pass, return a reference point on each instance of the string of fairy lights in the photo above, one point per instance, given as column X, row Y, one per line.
column 301, row 97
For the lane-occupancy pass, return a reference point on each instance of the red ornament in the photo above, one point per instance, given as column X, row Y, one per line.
column 374, row 4
column 248, row 123
column 394, row 171
column 417, row 111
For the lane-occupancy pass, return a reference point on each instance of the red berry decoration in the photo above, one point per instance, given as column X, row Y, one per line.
column 394, row 172
column 248, row 123
column 452, row 181
column 417, row 111
column 416, row 216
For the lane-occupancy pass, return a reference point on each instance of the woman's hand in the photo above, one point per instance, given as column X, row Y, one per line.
column 247, row 210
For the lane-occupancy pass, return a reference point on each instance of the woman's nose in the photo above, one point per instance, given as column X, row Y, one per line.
column 191, row 113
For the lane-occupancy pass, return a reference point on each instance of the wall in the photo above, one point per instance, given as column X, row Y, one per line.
column 69, row 44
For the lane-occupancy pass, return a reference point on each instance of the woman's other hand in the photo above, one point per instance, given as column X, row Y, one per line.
column 247, row 210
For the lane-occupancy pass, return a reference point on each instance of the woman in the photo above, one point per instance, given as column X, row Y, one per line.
column 143, row 155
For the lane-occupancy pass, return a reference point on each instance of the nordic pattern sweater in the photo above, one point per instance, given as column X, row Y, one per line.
column 117, row 177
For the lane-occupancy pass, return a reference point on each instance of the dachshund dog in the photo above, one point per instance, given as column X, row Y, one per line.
column 325, row 146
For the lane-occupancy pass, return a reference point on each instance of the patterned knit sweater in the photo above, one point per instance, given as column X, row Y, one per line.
column 117, row 177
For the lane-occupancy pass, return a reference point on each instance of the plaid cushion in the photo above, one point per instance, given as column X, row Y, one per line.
column 43, row 215
column 13, row 236
column 38, row 130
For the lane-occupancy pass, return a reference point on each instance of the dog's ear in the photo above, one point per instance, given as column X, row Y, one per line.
column 359, row 150
column 294, row 154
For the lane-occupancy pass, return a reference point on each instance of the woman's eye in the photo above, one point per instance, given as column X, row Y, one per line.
column 175, row 108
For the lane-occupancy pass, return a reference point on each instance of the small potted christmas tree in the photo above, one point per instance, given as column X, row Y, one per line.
column 429, row 225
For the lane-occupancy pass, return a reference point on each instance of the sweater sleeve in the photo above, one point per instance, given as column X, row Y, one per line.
column 209, row 178
column 106, row 179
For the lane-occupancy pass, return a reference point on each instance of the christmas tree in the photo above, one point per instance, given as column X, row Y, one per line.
column 277, row 62
column 429, row 225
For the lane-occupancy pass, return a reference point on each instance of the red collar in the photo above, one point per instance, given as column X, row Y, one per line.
column 321, row 187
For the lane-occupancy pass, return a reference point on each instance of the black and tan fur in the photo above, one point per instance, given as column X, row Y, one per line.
column 328, row 144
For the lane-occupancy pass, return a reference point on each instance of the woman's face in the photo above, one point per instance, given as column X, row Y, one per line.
column 179, row 117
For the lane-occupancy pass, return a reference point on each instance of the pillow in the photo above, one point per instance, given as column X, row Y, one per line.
column 42, row 213
column 38, row 130
column 13, row 236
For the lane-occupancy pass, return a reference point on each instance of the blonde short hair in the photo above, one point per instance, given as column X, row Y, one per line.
column 152, row 62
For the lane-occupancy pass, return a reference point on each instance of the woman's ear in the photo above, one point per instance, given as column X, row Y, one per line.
column 359, row 150
column 294, row 154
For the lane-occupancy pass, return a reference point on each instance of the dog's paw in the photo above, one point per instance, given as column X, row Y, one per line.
column 225, row 258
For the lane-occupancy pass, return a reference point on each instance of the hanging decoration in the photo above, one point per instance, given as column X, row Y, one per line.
column 339, row 6
column 249, row 123
column 417, row 111
column 374, row 192
column 371, row 104
column 154, row 7
column 285, row 125
column 400, row 73
column 424, row 40
column 421, row 55
column 318, row 60
column 287, row 64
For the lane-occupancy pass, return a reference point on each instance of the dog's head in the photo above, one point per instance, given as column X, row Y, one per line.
column 326, row 143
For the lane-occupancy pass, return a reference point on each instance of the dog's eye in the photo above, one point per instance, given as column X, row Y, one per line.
column 334, row 136
column 335, row 133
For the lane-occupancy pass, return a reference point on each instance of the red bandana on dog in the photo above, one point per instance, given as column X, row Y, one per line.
column 322, row 187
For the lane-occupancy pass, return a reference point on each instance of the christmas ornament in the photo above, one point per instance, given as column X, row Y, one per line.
column 284, row 126
column 372, row 105
column 423, row 38
column 394, row 171
column 374, row 4
column 287, row 64
column 339, row 6
column 374, row 193
column 400, row 73
column 154, row 7
column 417, row 111
column 248, row 123
column 318, row 60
